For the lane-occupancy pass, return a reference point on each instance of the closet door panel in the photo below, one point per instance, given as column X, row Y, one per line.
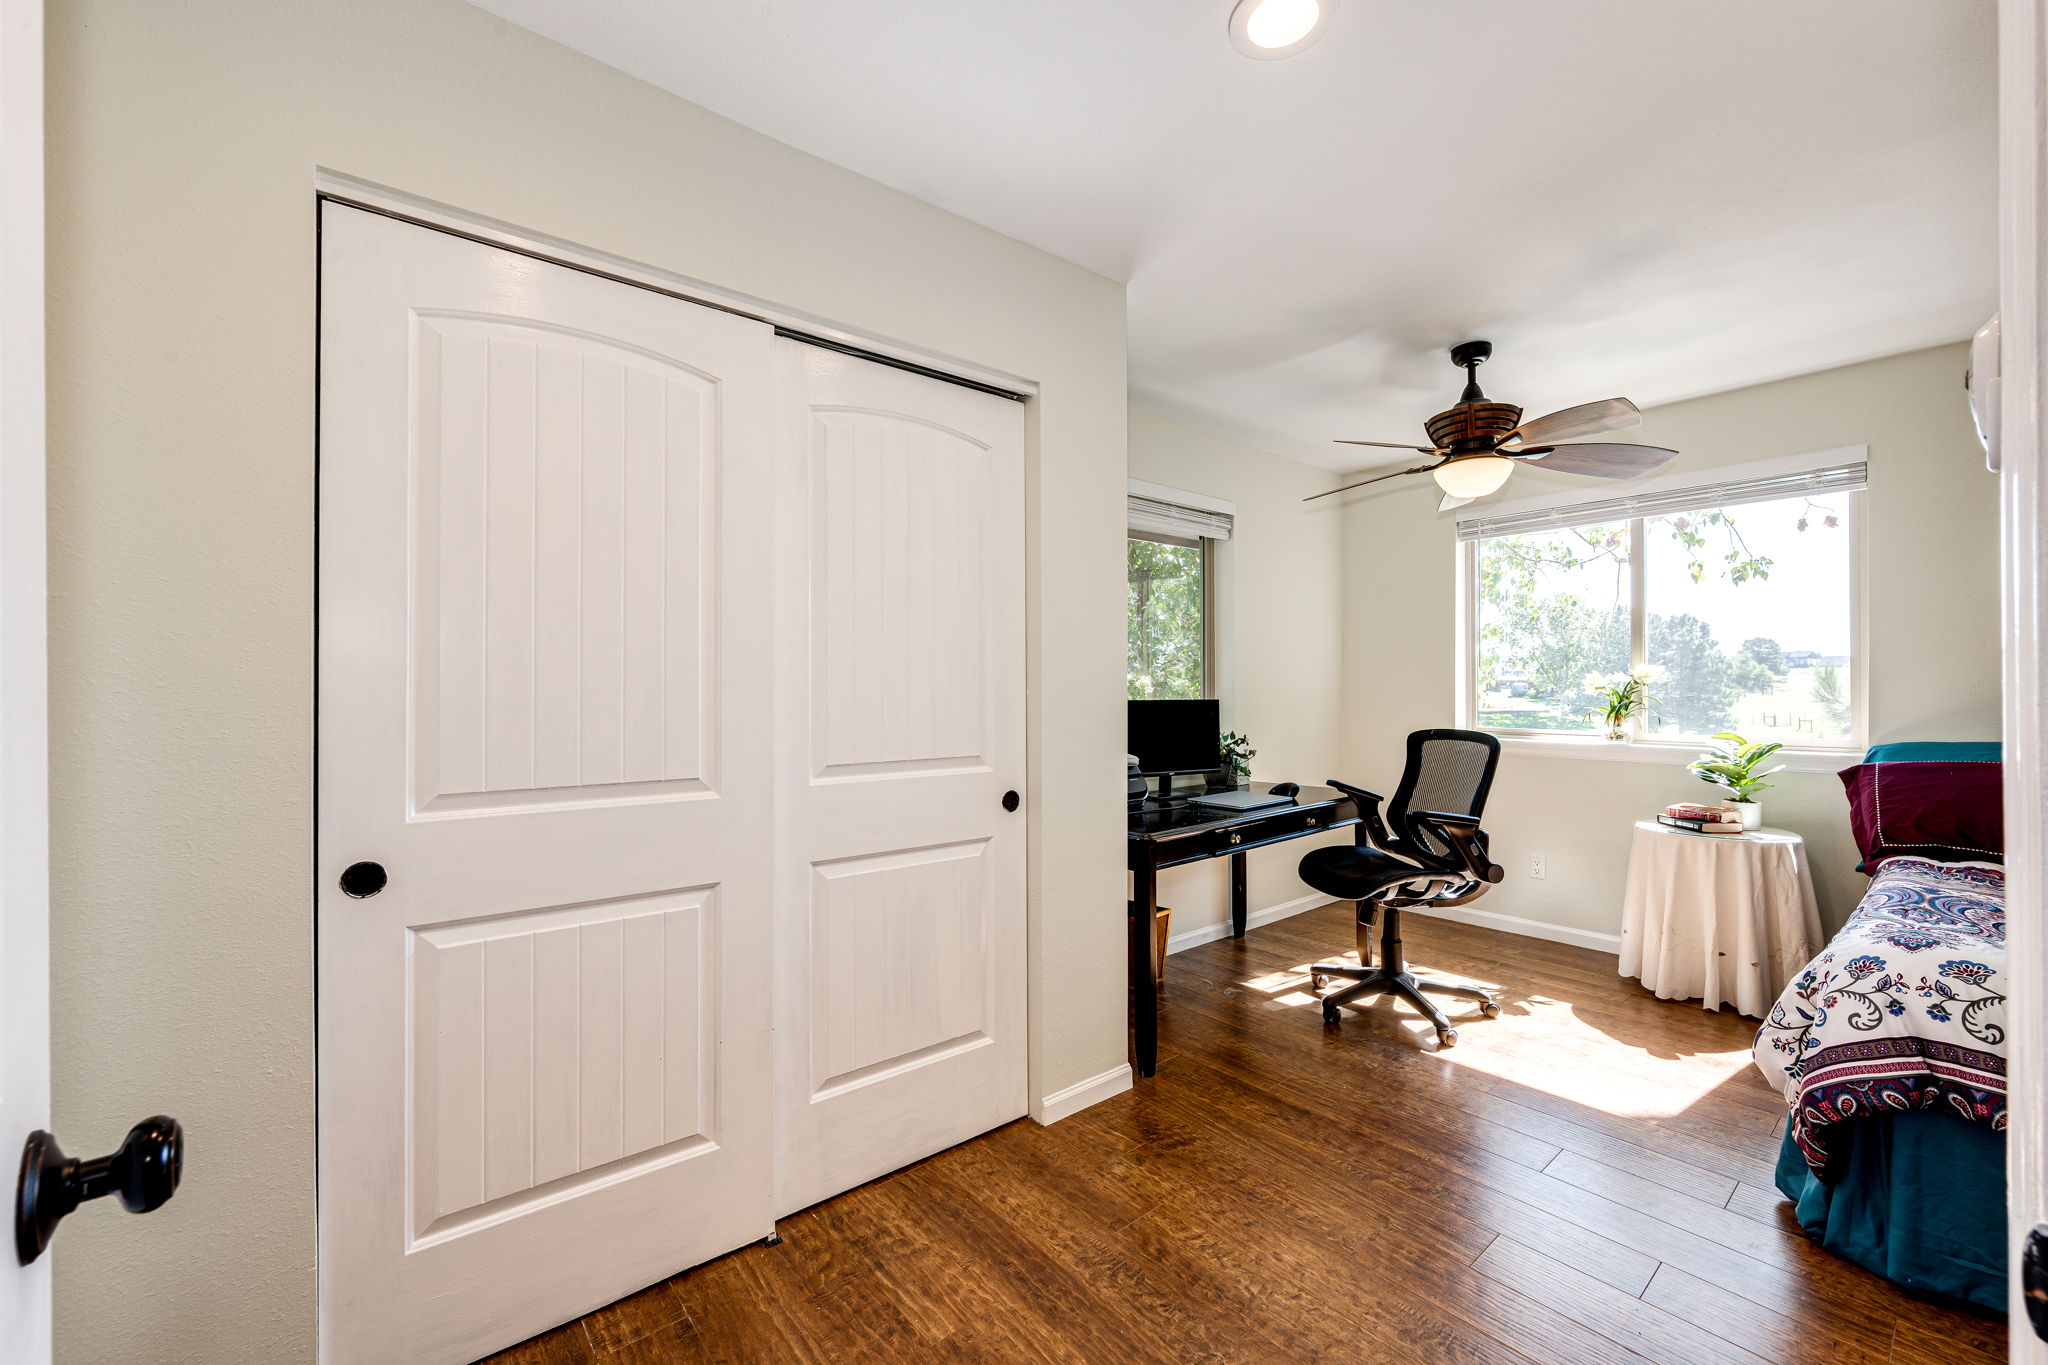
column 900, row 894
column 545, row 682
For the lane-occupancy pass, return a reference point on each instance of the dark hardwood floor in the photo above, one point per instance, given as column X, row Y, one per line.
column 1584, row 1181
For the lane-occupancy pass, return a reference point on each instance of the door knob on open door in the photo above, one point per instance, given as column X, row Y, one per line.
column 2034, row 1278
column 144, row 1172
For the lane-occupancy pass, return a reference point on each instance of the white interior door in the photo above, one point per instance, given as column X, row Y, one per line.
column 545, row 712
column 24, row 865
column 900, row 922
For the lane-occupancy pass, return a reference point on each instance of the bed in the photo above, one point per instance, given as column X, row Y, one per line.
column 1890, row 1047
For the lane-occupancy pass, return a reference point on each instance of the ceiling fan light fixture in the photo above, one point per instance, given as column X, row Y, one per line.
column 1267, row 29
column 1474, row 476
column 1471, row 437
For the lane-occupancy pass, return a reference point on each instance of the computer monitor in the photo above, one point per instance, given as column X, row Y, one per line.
column 1176, row 736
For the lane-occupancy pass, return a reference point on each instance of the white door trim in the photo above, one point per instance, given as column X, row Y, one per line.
column 369, row 194
column 24, row 771
column 2023, row 268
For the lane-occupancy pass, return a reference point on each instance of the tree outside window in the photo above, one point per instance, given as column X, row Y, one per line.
column 1743, row 613
column 1166, row 624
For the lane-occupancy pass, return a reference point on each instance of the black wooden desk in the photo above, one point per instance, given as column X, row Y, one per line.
column 1169, row 834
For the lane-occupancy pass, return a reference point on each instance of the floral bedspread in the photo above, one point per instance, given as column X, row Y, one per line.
column 1904, row 1009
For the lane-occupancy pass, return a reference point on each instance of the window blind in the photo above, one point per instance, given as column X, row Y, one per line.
column 1152, row 516
column 1841, row 478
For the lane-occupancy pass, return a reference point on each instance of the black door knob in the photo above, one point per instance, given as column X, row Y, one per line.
column 363, row 879
column 2034, row 1278
column 144, row 1173
column 1009, row 800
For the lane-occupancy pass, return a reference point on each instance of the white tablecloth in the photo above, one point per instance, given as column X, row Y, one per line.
column 1718, row 918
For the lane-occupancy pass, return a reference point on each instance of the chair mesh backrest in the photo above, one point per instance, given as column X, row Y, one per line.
column 1448, row 770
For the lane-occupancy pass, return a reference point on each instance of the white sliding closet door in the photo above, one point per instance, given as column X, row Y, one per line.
column 545, row 712
column 900, row 925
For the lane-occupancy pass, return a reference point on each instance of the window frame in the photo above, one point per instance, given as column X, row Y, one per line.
column 1206, row 547
column 1640, row 747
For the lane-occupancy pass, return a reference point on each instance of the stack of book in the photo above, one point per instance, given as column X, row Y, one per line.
column 1701, row 819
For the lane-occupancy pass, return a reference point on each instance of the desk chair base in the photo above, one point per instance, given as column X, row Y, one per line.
column 1392, row 977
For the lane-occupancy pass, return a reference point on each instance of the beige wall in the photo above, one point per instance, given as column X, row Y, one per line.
column 1277, row 636
column 1931, row 515
column 183, row 143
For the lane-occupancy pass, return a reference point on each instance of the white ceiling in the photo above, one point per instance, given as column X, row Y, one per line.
column 1632, row 197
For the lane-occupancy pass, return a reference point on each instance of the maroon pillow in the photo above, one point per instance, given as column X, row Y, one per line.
column 1951, row 812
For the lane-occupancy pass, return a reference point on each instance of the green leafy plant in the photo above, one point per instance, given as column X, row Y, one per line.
column 1623, row 695
column 1735, row 765
column 1237, row 754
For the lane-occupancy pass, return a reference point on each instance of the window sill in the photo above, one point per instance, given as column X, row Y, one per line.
column 1675, row 754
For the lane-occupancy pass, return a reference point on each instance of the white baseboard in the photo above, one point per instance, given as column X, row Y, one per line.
column 1527, row 928
column 1071, row 1101
column 1209, row 933
column 1482, row 919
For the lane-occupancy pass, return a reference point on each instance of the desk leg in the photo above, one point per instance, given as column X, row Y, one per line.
column 1240, row 898
column 1144, row 986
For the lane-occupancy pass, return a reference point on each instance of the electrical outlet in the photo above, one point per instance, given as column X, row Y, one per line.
column 1536, row 866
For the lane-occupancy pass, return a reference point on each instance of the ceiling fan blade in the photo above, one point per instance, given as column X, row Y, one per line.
column 1389, row 445
column 1587, row 419
column 1418, row 469
column 1604, row 459
column 1451, row 501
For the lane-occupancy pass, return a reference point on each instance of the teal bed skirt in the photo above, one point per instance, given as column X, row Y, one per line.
column 1916, row 1197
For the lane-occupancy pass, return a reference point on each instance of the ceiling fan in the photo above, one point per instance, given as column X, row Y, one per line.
column 1478, row 442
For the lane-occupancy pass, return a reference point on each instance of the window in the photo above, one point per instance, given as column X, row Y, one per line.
column 1168, row 620
column 1554, row 611
column 1739, row 600
column 1170, row 590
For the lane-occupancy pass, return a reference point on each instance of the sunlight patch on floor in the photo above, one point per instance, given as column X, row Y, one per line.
column 1581, row 1062
column 1538, row 1041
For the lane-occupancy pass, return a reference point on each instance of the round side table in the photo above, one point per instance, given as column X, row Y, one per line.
column 1718, row 918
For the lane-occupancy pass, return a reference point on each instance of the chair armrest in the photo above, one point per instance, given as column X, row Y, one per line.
column 1372, row 829
column 1463, row 834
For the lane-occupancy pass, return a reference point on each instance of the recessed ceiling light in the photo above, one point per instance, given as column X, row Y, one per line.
column 1277, row 28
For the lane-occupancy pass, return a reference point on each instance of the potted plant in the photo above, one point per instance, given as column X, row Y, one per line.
column 1237, row 755
column 1735, row 765
column 1620, row 696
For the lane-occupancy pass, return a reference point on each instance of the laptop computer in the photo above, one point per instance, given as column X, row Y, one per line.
column 1238, row 800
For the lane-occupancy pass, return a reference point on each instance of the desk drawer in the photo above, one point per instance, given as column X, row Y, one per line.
column 1266, row 829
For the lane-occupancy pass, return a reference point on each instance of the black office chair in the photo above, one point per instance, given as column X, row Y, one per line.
column 1435, row 855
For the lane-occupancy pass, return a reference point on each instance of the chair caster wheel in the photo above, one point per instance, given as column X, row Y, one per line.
column 1489, row 1009
column 1330, row 1015
column 1317, row 981
column 1446, row 1037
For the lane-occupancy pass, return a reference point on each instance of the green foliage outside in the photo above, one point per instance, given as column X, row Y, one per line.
column 1164, row 621
column 1554, row 626
column 1548, row 646
column 1702, row 682
column 1832, row 694
column 1766, row 652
